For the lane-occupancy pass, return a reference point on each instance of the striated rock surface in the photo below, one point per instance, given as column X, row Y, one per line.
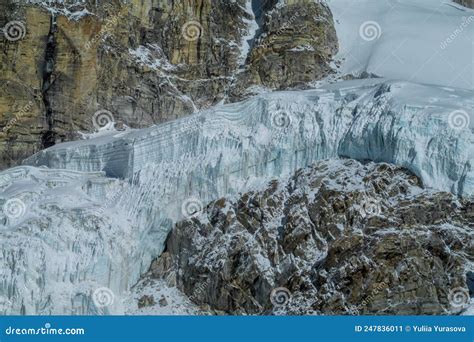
column 146, row 62
column 338, row 237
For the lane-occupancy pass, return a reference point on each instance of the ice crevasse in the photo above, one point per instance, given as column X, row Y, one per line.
column 93, row 214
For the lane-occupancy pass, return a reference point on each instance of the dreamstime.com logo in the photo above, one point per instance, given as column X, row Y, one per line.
column 280, row 297
column 458, row 119
column 14, row 30
column 370, row 30
column 287, row 25
column 459, row 297
column 14, row 208
column 102, row 118
column 355, row 310
column 5, row 180
column 5, row 305
column 22, row 112
column 46, row 330
column 107, row 28
column 457, row 32
column 103, row 297
column 281, row 120
column 370, row 207
column 192, row 30
column 200, row 290
column 191, row 207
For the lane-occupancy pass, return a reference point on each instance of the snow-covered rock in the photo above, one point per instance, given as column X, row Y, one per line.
column 72, row 9
column 338, row 237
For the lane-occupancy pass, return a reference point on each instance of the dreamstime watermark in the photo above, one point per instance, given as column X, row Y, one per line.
column 451, row 264
column 14, row 30
column 103, row 297
column 5, row 179
column 458, row 119
column 459, row 297
column 281, row 119
column 370, row 30
column 191, row 207
column 452, row 37
column 192, row 30
column 102, row 118
column 46, row 330
column 280, row 296
column 5, row 304
column 109, row 25
column 370, row 207
column 14, row 208
column 22, row 112
column 355, row 309
column 200, row 290
column 112, row 200
column 286, row 25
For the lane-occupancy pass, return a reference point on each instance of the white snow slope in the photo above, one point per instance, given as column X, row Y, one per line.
column 424, row 41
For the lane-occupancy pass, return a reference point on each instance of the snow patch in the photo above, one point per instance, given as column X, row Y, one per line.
column 403, row 40
column 251, row 29
column 152, row 56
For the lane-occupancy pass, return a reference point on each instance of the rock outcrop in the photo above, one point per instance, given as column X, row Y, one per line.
column 145, row 62
column 339, row 237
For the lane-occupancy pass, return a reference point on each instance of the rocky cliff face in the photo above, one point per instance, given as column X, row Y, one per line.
column 339, row 237
column 73, row 66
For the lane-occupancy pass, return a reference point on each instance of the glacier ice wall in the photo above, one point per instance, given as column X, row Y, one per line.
column 427, row 129
column 94, row 213
column 61, row 239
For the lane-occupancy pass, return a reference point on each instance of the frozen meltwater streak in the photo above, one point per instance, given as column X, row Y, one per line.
column 103, row 210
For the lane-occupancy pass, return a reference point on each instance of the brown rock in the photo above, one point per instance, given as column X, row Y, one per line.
column 146, row 301
column 140, row 61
